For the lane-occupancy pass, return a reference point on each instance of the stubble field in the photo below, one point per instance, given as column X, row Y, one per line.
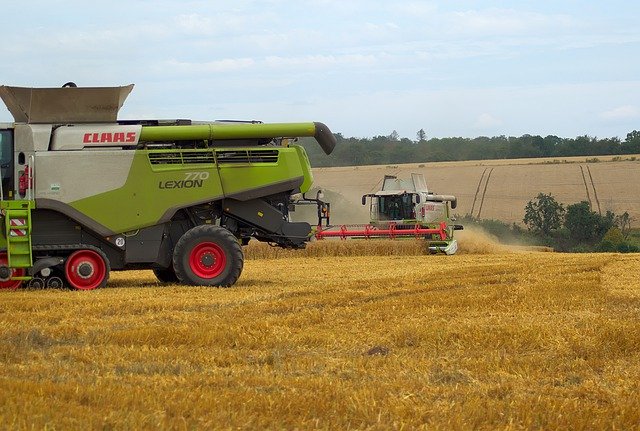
column 487, row 339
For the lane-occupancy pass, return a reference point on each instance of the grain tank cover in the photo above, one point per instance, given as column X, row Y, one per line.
column 416, row 184
column 64, row 105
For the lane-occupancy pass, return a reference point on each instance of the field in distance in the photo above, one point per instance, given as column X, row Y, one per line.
column 479, row 340
column 498, row 189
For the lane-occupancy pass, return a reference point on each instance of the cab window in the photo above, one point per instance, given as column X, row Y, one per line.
column 6, row 160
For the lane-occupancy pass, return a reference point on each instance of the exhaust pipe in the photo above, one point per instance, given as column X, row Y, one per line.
column 444, row 198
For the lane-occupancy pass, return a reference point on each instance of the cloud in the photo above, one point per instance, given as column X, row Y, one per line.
column 216, row 66
column 507, row 22
column 232, row 22
column 626, row 112
column 449, row 67
column 377, row 28
column 277, row 63
column 487, row 121
column 417, row 8
column 195, row 24
column 320, row 61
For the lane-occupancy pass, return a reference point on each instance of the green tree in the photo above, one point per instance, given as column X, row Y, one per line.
column 587, row 226
column 543, row 215
column 631, row 145
column 614, row 236
column 623, row 222
column 421, row 135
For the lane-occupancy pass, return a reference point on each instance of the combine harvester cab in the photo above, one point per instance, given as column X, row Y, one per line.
column 84, row 193
column 405, row 208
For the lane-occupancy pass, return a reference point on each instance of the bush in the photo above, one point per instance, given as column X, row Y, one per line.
column 581, row 248
column 613, row 241
column 625, row 247
column 614, row 236
column 606, row 246
column 587, row 226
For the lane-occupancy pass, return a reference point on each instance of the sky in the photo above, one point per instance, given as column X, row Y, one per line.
column 365, row 68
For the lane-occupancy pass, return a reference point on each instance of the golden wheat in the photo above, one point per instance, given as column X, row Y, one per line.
column 472, row 341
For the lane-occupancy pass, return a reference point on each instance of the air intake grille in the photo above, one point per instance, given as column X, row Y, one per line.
column 182, row 158
column 247, row 156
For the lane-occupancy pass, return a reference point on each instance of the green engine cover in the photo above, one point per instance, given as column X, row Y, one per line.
column 160, row 182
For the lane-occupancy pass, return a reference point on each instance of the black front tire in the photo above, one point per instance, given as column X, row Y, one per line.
column 166, row 275
column 208, row 255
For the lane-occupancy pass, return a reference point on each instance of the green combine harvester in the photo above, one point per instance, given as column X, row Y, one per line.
column 84, row 193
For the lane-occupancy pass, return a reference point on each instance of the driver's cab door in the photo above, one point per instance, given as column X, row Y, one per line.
column 6, row 163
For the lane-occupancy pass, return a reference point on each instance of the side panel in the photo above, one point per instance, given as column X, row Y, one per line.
column 306, row 168
column 79, row 136
column 68, row 176
column 291, row 171
column 148, row 191
column 433, row 212
column 124, row 190
column 32, row 137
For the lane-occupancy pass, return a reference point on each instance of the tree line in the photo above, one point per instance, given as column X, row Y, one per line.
column 391, row 149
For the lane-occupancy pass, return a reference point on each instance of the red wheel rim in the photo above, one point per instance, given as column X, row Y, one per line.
column 207, row 260
column 15, row 272
column 85, row 269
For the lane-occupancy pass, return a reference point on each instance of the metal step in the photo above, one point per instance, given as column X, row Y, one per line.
column 17, row 223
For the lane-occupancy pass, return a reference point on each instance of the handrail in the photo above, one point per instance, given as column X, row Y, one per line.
column 30, row 176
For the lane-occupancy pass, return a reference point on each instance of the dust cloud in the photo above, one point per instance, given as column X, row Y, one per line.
column 344, row 210
column 475, row 240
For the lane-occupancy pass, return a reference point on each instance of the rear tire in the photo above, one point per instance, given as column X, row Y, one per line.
column 7, row 282
column 208, row 256
column 87, row 269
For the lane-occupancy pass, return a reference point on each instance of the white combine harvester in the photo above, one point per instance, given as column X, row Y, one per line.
column 404, row 208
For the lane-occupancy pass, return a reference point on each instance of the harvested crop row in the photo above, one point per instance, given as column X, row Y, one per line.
column 500, row 341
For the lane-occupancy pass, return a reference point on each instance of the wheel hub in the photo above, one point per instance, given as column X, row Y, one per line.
column 207, row 259
column 5, row 273
column 54, row 282
column 85, row 270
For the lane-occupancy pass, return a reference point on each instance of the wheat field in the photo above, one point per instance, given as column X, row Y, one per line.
column 487, row 339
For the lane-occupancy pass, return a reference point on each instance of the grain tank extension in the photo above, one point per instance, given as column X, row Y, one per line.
column 84, row 193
